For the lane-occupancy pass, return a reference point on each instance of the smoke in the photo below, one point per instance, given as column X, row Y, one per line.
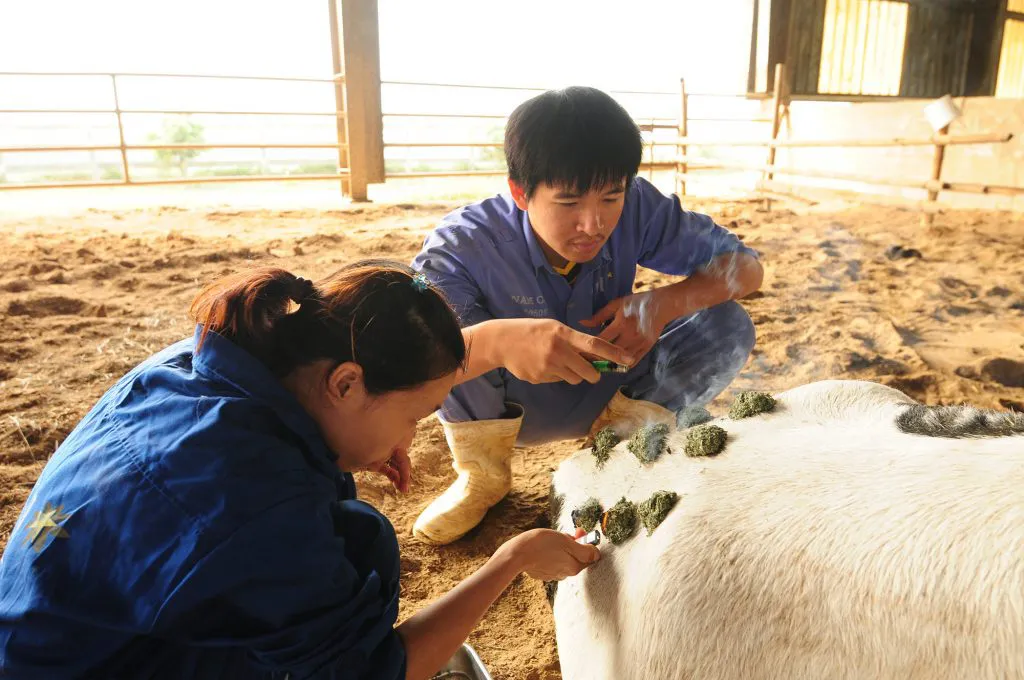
column 710, row 365
column 726, row 267
column 715, row 346
column 640, row 307
column 716, row 361
column 715, row 355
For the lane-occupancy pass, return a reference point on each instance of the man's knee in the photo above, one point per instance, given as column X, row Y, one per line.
column 738, row 326
column 724, row 326
column 732, row 332
column 482, row 398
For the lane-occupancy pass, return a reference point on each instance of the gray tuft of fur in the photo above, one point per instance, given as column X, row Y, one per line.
column 550, row 590
column 959, row 422
column 556, row 501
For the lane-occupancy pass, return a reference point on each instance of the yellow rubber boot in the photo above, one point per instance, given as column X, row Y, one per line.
column 625, row 416
column 482, row 456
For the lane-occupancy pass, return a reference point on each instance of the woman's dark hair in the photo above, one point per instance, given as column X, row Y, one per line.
column 579, row 138
column 376, row 313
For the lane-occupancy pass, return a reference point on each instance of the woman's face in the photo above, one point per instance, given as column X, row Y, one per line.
column 364, row 430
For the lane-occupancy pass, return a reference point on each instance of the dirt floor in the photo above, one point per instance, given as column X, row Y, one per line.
column 84, row 297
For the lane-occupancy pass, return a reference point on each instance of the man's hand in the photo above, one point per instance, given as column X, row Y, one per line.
column 545, row 350
column 635, row 323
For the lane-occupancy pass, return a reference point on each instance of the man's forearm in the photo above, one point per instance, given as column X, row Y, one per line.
column 482, row 349
column 728, row 277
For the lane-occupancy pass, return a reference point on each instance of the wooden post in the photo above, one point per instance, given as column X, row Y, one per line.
column 683, row 131
column 340, row 119
column 752, row 65
column 940, row 155
column 937, row 159
column 120, row 130
column 778, row 94
column 360, row 46
column 777, row 104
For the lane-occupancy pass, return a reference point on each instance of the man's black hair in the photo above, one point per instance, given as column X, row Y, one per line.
column 578, row 138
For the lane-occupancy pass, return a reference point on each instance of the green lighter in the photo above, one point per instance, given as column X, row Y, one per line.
column 609, row 367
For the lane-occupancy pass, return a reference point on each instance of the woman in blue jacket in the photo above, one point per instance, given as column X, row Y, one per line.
column 201, row 520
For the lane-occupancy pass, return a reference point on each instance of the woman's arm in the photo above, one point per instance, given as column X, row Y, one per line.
column 434, row 634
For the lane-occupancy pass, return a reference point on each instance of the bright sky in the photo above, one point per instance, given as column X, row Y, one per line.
column 611, row 44
column 605, row 43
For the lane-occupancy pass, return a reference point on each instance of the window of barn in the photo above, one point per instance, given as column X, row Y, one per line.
column 852, row 49
column 1010, row 80
column 862, row 47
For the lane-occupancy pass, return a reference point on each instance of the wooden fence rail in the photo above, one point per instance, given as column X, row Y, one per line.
column 685, row 164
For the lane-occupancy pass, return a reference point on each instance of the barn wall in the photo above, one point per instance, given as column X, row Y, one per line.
column 991, row 163
column 1010, row 81
column 907, row 48
column 862, row 49
column 936, row 51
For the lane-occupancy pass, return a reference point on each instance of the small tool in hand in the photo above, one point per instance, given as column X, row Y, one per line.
column 593, row 538
column 609, row 367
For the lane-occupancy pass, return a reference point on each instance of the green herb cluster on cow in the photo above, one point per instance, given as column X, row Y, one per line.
column 749, row 404
column 649, row 442
column 619, row 523
column 693, row 415
column 604, row 441
column 588, row 515
column 704, row 440
column 653, row 511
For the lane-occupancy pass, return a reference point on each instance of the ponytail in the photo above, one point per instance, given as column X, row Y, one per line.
column 379, row 314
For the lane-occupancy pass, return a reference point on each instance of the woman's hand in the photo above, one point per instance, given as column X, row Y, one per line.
column 548, row 555
column 435, row 632
column 397, row 468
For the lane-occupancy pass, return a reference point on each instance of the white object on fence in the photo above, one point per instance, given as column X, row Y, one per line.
column 941, row 112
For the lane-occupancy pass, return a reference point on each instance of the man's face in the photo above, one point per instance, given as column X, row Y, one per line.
column 572, row 227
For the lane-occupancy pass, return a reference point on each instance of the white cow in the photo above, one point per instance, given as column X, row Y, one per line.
column 824, row 541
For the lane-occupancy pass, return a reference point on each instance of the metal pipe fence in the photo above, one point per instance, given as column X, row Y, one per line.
column 650, row 124
column 647, row 124
column 123, row 147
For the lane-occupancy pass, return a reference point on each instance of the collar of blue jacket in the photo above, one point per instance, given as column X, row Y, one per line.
column 223, row 361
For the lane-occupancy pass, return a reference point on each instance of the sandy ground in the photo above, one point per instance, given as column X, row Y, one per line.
column 85, row 296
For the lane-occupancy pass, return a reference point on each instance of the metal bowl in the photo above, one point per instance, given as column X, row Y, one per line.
column 465, row 665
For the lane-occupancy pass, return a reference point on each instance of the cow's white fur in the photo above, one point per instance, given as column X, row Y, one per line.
column 822, row 543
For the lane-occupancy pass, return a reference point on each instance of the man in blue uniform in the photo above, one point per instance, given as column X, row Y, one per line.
column 540, row 270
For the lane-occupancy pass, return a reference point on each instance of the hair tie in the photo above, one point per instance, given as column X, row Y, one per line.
column 302, row 289
column 420, row 283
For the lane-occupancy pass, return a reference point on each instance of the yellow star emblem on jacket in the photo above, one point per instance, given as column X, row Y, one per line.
column 45, row 525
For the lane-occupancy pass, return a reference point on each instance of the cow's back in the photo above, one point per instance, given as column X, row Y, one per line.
column 823, row 542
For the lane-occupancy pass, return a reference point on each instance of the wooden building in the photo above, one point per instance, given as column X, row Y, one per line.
column 853, row 49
